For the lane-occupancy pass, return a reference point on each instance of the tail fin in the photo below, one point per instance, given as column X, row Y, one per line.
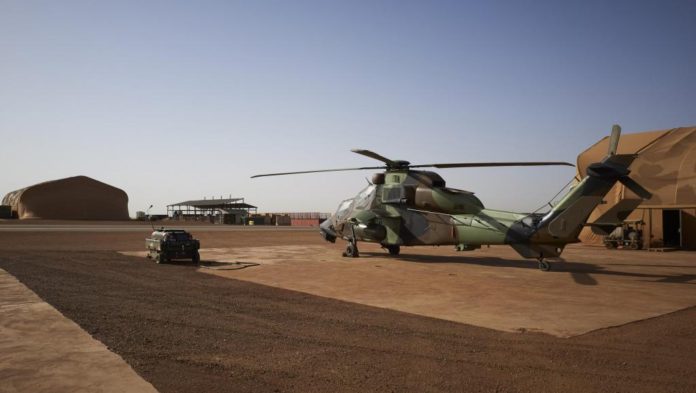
column 567, row 218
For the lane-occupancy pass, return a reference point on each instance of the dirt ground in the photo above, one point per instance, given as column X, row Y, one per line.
column 592, row 288
column 184, row 331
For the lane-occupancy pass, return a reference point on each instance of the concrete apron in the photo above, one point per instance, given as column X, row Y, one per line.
column 492, row 288
column 43, row 351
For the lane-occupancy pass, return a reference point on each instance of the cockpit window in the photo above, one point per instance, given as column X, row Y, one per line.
column 365, row 198
column 362, row 201
column 344, row 209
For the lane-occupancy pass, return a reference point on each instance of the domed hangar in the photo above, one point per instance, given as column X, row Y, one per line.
column 665, row 165
column 72, row 198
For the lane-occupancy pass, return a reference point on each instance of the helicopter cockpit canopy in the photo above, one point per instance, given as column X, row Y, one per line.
column 344, row 209
column 365, row 200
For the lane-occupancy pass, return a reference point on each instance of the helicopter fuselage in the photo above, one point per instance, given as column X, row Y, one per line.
column 407, row 207
column 412, row 208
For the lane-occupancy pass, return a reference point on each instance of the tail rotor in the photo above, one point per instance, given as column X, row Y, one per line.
column 614, row 167
column 614, row 139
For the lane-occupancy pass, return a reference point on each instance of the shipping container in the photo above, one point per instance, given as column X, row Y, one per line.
column 305, row 222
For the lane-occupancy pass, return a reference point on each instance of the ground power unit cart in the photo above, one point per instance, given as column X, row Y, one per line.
column 165, row 245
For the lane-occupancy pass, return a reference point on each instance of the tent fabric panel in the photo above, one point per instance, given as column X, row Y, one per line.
column 628, row 144
column 668, row 169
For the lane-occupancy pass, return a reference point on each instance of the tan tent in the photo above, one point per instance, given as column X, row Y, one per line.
column 665, row 166
column 73, row 198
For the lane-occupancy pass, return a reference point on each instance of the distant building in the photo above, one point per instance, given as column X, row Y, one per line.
column 72, row 198
column 215, row 211
column 298, row 219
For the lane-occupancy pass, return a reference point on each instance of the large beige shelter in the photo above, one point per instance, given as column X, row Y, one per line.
column 72, row 198
column 665, row 166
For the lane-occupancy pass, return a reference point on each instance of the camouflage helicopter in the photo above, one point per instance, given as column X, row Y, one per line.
column 407, row 207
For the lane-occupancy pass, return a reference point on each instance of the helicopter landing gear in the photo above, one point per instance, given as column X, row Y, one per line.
column 352, row 248
column 544, row 266
column 351, row 251
column 394, row 249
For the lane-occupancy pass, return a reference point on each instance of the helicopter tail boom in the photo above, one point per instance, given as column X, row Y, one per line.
column 565, row 221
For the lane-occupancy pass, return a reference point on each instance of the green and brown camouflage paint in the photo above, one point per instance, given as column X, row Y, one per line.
column 406, row 207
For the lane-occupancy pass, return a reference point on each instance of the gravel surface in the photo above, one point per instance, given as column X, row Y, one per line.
column 190, row 332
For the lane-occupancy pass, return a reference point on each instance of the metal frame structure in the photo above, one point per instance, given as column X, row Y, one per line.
column 212, row 210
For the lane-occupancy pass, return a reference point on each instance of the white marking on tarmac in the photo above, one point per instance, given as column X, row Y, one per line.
column 43, row 351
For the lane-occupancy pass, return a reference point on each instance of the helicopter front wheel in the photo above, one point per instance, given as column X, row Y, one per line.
column 351, row 251
column 544, row 266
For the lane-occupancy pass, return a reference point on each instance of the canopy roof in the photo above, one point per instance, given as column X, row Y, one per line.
column 229, row 203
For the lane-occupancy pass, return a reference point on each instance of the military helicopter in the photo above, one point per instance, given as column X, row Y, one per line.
column 403, row 206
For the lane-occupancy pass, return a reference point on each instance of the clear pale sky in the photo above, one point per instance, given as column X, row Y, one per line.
column 179, row 100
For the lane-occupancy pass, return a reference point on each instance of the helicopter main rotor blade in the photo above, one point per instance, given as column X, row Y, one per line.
column 491, row 164
column 371, row 154
column 320, row 170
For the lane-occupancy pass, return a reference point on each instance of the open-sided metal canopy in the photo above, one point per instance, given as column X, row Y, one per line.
column 228, row 211
column 229, row 203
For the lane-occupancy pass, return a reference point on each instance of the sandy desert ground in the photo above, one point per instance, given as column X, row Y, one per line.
column 301, row 318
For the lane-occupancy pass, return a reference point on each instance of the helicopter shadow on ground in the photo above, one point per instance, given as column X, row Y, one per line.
column 581, row 272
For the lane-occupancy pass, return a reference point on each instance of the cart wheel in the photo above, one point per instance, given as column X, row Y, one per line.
column 196, row 258
column 633, row 246
column 161, row 258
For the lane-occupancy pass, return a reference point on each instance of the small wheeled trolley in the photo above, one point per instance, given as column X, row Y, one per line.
column 165, row 245
column 628, row 236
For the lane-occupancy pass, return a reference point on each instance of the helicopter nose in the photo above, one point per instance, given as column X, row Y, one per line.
column 327, row 231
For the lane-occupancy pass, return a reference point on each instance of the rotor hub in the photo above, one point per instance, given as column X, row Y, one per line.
column 399, row 164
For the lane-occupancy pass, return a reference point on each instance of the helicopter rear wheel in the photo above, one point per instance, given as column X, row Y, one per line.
column 351, row 251
column 393, row 249
column 544, row 266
